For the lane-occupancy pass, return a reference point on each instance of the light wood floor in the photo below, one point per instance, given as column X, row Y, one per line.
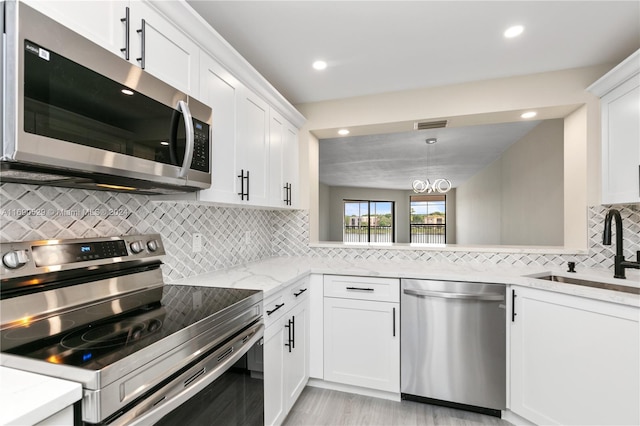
column 332, row 408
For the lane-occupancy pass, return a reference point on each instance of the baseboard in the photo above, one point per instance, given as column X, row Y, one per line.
column 515, row 419
column 323, row 384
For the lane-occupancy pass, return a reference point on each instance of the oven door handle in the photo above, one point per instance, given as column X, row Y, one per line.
column 188, row 384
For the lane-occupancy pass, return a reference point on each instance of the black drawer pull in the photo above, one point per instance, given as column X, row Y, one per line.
column 302, row 290
column 275, row 309
column 359, row 289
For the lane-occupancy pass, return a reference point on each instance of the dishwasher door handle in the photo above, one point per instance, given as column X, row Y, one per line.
column 463, row 296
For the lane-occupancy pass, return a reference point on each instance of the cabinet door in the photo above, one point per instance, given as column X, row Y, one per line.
column 296, row 372
column 276, row 150
column 283, row 161
column 362, row 343
column 253, row 146
column 99, row 21
column 168, row 53
column 621, row 143
column 573, row 360
column 290, row 172
column 221, row 91
column 274, row 351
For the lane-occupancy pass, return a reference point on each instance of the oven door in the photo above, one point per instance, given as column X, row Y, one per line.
column 227, row 384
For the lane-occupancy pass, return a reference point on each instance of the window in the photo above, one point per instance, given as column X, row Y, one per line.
column 428, row 222
column 368, row 221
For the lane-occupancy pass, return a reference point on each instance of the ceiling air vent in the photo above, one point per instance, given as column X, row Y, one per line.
column 425, row 125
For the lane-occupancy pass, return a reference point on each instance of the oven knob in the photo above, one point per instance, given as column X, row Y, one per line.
column 15, row 259
column 152, row 245
column 136, row 247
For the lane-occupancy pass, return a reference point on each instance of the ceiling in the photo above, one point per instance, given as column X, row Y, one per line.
column 384, row 46
column 374, row 47
column 393, row 161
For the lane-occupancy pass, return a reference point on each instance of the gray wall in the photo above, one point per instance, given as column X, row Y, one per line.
column 519, row 198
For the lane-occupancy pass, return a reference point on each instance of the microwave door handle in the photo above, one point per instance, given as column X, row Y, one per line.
column 188, row 128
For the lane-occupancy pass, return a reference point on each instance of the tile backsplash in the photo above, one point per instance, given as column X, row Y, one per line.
column 234, row 235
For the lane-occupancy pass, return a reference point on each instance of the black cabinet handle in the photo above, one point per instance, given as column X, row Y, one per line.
column 287, row 194
column 359, row 289
column 513, row 306
column 247, row 185
column 126, row 21
column 142, row 32
column 242, row 178
column 302, row 290
column 291, row 341
column 394, row 322
column 275, row 309
column 293, row 331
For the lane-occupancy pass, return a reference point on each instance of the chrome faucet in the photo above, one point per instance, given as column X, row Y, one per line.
column 619, row 263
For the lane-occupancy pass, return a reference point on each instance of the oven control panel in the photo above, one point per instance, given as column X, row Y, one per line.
column 29, row 257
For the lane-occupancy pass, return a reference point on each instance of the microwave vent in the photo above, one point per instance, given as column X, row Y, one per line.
column 426, row 125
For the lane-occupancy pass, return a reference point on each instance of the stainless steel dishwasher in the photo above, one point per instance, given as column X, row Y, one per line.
column 453, row 344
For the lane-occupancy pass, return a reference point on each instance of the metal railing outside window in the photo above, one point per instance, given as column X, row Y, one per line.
column 364, row 234
column 428, row 234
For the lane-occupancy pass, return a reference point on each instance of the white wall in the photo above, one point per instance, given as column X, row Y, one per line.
column 501, row 204
column 550, row 89
column 479, row 201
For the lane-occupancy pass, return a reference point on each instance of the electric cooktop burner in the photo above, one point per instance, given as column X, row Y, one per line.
column 101, row 343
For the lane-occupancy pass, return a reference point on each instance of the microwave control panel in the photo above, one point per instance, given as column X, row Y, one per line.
column 200, row 146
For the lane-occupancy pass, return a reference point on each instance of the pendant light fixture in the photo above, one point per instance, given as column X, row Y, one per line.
column 440, row 185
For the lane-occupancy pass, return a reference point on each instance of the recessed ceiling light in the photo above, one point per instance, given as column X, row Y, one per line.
column 343, row 132
column 127, row 92
column 319, row 65
column 165, row 143
column 431, row 141
column 529, row 114
column 514, row 31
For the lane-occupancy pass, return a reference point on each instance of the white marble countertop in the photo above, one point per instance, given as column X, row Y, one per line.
column 27, row 398
column 270, row 275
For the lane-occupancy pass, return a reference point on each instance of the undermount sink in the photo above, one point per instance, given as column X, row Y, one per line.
column 587, row 283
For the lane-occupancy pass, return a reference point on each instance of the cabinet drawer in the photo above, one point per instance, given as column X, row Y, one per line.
column 285, row 300
column 298, row 291
column 362, row 288
column 276, row 306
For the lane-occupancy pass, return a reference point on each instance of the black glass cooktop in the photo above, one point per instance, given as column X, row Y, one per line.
column 103, row 342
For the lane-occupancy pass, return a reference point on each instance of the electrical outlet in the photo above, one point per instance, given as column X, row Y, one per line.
column 196, row 243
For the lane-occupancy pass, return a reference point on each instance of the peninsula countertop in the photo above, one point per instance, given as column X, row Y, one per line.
column 273, row 274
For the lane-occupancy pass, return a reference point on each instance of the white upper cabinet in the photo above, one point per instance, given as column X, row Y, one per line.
column 162, row 49
column 283, row 164
column 252, row 154
column 135, row 31
column 103, row 22
column 222, row 92
column 619, row 92
column 290, row 170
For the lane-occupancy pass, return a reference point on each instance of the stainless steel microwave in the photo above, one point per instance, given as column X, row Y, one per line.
column 77, row 115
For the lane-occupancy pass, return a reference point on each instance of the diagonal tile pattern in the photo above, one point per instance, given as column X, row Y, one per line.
column 233, row 236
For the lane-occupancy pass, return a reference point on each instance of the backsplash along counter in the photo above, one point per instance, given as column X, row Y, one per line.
column 233, row 236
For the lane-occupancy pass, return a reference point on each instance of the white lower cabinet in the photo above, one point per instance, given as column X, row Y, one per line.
column 286, row 350
column 362, row 332
column 574, row 361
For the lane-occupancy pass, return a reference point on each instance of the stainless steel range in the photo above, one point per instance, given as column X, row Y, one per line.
column 96, row 311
